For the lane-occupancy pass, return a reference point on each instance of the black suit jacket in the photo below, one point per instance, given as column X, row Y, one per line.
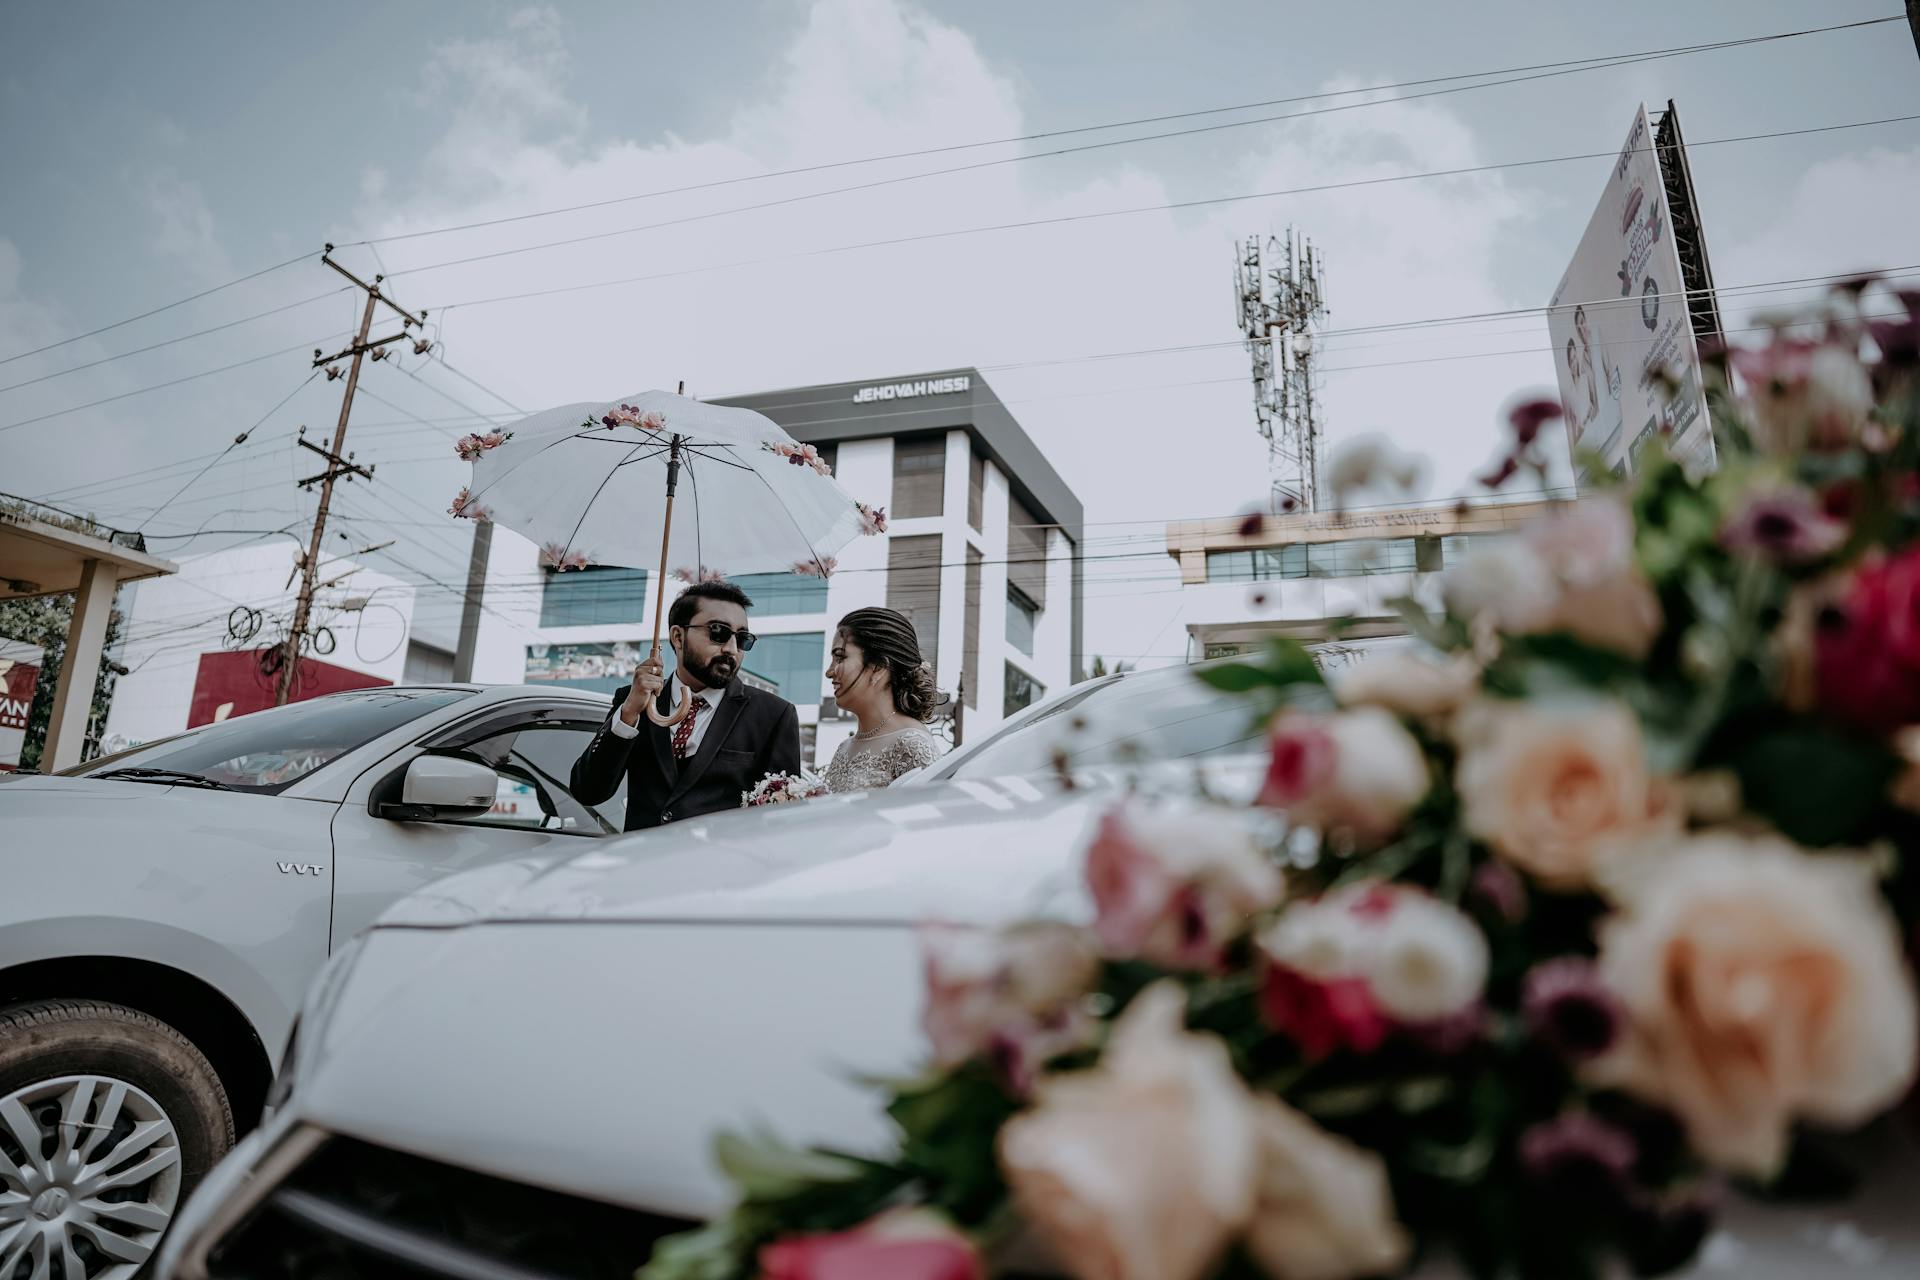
column 753, row 733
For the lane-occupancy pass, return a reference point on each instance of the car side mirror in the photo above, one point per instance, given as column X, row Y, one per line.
column 443, row 787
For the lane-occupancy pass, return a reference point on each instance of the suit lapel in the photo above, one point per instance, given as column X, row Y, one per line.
column 723, row 717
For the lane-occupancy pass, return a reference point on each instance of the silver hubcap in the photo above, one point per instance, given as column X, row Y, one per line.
column 89, row 1179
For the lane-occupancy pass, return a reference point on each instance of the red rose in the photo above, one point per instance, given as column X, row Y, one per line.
column 905, row 1245
column 1319, row 1015
column 1302, row 760
column 1867, row 652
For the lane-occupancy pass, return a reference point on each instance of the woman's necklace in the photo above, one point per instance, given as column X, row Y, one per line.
column 863, row 735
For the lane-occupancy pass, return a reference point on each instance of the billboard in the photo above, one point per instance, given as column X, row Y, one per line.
column 1620, row 325
column 230, row 683
column 19, row 677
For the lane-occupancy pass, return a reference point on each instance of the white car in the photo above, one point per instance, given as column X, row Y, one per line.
column 163, row 911
column 520, row 1072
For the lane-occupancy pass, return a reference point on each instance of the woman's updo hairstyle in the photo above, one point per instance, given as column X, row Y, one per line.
column 886, row 639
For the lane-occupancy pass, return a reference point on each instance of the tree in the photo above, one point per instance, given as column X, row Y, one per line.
column 43, row 621
column 1100, row 667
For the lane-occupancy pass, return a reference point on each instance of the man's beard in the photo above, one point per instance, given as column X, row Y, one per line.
column 705, row 673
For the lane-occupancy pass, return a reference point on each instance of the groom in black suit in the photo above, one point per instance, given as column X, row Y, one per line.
column 732, row 737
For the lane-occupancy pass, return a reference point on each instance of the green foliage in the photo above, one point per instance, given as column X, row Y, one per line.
column 44, row 621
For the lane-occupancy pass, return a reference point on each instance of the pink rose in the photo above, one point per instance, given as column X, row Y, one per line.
column 1867, row 651
column 1175, row 886
column 1352, row 775
column 1321, row 1015
column 900, row 1245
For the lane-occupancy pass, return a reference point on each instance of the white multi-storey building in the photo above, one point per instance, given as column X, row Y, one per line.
column 1307, row 577
column 981, row 551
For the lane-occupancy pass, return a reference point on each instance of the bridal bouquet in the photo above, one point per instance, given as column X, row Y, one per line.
column 1530, row 946
column 781, row 788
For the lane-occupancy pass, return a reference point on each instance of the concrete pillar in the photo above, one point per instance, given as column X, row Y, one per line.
column 80, row 667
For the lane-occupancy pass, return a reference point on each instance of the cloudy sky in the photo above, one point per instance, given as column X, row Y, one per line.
column 151, row 152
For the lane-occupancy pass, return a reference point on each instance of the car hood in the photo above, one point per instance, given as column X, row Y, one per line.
column 967, row 850
column 26, row 793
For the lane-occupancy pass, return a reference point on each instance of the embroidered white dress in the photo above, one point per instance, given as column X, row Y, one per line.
column 863, row 763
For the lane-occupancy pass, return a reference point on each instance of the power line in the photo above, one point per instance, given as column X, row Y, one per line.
column 900, row 179
column 204, row 293
column 158, row 386
column 1616, row 59
column 237, row 442
column 93, row 364
column 1170, row 206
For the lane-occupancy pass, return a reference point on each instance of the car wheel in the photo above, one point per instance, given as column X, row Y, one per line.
column 108, row 1118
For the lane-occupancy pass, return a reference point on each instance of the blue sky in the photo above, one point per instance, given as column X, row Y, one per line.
column 152, row 151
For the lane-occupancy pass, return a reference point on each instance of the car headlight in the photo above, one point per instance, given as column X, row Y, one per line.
column 309, row 1024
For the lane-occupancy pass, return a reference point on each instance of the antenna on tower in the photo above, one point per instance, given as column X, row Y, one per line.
column 1278, row 294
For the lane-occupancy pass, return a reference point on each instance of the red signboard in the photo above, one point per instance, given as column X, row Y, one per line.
column 19, row 676
column 231, row 684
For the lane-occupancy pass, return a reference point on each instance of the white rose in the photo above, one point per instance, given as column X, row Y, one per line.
column 1427, row 960
column 1410, row 684
column 1505, row 584
column 1762, row 984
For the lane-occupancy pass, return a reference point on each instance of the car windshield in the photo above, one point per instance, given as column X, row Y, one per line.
column 1134, row 719
column 271, row 750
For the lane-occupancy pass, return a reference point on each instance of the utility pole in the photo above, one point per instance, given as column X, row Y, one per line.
column 1278, row 294
column 338, row 464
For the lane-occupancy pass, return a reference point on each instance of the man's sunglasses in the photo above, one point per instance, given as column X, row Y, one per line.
column 720, row 633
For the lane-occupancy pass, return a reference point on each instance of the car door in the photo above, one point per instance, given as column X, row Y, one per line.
column 531, row 748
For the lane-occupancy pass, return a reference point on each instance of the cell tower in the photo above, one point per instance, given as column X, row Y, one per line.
column 1278, row 291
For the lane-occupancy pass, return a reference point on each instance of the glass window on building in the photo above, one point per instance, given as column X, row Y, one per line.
column 970, row 656
column 595, row 595
column 1022, row 691
column 919, row 477
column 1027, row 552
column 1021, row 617
column 793, row 664
column 977, row 491
column 1353, row 559
column 779, row 595
column 913, row 588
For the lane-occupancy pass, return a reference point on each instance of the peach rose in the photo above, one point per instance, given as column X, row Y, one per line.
column 1325, row 1211
column 1762, row 984
column 1603, row 599
column 1352, row 774
column 1409, row 684
column 1559, row 790
column 1011, row 995
column 1143, row 1168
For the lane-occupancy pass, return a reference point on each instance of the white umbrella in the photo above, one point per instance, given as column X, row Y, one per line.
column 597, row 484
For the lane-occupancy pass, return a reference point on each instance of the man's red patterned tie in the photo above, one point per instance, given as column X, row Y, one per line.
column 683, row 732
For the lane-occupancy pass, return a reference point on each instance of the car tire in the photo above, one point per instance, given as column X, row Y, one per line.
column 51, row 1040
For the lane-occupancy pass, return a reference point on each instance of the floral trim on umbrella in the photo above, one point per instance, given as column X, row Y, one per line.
column 705, row 574
column 467, row 508
column 471, row 447
column 633, row 416
column 800, row 455
column 821, row 568
column 560, row 559
column 873, row 520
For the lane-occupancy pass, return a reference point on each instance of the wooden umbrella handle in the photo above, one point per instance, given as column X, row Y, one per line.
column 679, row 712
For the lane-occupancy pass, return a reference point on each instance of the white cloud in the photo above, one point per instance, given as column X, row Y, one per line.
column 874, row 76
column 183, row 225
column 1851, row 212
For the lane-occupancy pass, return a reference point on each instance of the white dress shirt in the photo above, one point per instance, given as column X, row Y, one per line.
column 709, row 698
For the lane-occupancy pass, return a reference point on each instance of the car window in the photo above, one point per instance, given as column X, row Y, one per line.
column 268, row 751
column 1137, row 719
column 533, row 764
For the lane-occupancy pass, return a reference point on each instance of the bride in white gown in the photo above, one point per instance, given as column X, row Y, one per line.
column 877, row 674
